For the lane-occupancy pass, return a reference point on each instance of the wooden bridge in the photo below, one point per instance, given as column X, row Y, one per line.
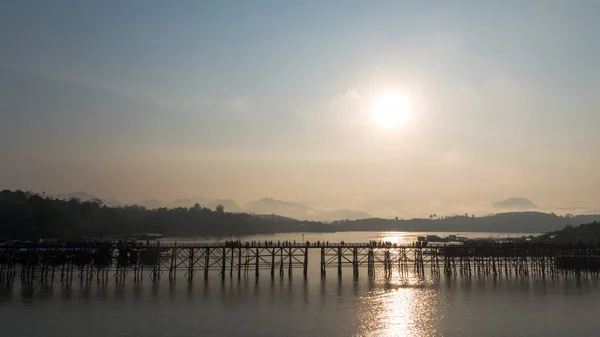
column 101, row 261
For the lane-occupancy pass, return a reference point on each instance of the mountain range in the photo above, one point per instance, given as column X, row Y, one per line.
column 266, row 206
column 31, row 215
column 515, row 204
column 300, row 211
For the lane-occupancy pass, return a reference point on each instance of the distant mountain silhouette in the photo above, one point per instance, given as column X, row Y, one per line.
column 341, row 214
column 521, row 204
column 81, row 195
column 112, row 202
column 229, row 205
column 152, row 203
column 279, row 207
column 300, row 211
column 26, row 215
column 509, row 222
column 188, row 202
column 84, row 196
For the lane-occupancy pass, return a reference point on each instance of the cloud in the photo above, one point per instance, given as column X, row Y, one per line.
column 237, row 105
column 198, row 104
column 346, row 109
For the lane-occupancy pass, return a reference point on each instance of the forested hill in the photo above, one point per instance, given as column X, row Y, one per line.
column 582, row 233
column 25, row 215
column 514, row 222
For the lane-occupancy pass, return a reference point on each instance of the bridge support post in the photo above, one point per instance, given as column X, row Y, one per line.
column 339, row 258
column 172, row 264
column 290, row 262
column 223, row 263
column 272, row 263
column 256, row 262
column 191, row 264
column 239, row 263
column 355, row 262
column 323, row 273
column 386, row 262
column 231, row 262
column 157, row 271
column 281, row 262
column 206, row 262
column 305, row 265
column 371, row 263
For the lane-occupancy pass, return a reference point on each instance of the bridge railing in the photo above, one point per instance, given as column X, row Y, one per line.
column 249, row 244
column 271, row 245
column 521, row 247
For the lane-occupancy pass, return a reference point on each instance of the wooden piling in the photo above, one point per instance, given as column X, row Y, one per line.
column 273, row 263
column 290, row 262
column 305, row 264
column 323, row 270
column 355, row 262
column 224, row 263
column 173, row 252
column 206, row 262
column 239, row 263
column 191, row 261
column 281, row 262
column 371, row 262
column 256, row 266
column 231, row 263
column 339, row 261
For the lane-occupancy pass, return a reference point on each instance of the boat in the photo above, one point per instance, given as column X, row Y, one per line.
column 145, row 236
column 436, row 238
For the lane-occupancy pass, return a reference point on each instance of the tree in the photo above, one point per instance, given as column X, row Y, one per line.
column 30, row 216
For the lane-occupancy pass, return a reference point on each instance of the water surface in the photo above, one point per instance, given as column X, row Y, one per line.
column 284, row 306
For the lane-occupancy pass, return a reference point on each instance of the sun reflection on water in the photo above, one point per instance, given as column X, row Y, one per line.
column 400, row 238
column 404, row 306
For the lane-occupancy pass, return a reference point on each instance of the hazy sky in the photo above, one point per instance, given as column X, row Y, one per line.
column 248, row 99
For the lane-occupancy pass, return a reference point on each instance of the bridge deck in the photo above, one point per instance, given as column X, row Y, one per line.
column 150, row 244
column 122, row 258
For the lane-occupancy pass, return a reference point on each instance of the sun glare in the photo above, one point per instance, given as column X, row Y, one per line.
column 390, row 110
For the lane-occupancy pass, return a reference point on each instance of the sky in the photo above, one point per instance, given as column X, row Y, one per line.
column 252, row 99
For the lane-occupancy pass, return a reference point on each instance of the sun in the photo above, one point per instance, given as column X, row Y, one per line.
column 390, row 110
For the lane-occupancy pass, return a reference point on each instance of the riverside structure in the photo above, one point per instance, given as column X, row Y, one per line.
column 88, row 261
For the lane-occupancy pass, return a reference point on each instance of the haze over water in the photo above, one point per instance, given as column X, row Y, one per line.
column 284, row 306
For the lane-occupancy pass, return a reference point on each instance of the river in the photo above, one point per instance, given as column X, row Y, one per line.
column 284, row 306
